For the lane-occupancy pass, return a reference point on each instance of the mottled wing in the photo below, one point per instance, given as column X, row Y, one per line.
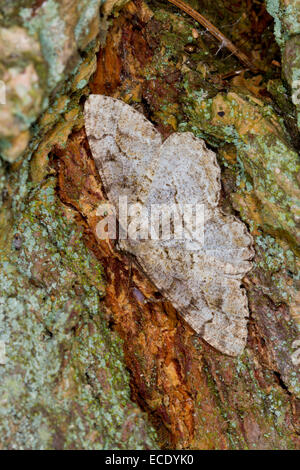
column 204, row 284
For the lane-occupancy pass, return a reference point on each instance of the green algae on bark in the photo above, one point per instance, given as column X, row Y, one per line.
column 205, row 399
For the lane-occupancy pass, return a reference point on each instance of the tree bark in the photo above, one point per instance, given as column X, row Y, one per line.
column 89, row 363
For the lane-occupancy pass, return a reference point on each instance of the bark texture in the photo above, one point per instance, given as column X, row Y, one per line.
column 63, row 383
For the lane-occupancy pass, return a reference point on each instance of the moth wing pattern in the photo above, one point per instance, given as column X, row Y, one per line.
column 204, row 285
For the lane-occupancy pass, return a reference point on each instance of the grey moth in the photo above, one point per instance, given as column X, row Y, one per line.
column 203, row 282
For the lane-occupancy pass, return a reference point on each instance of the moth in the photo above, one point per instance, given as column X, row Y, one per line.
column 203, row 283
